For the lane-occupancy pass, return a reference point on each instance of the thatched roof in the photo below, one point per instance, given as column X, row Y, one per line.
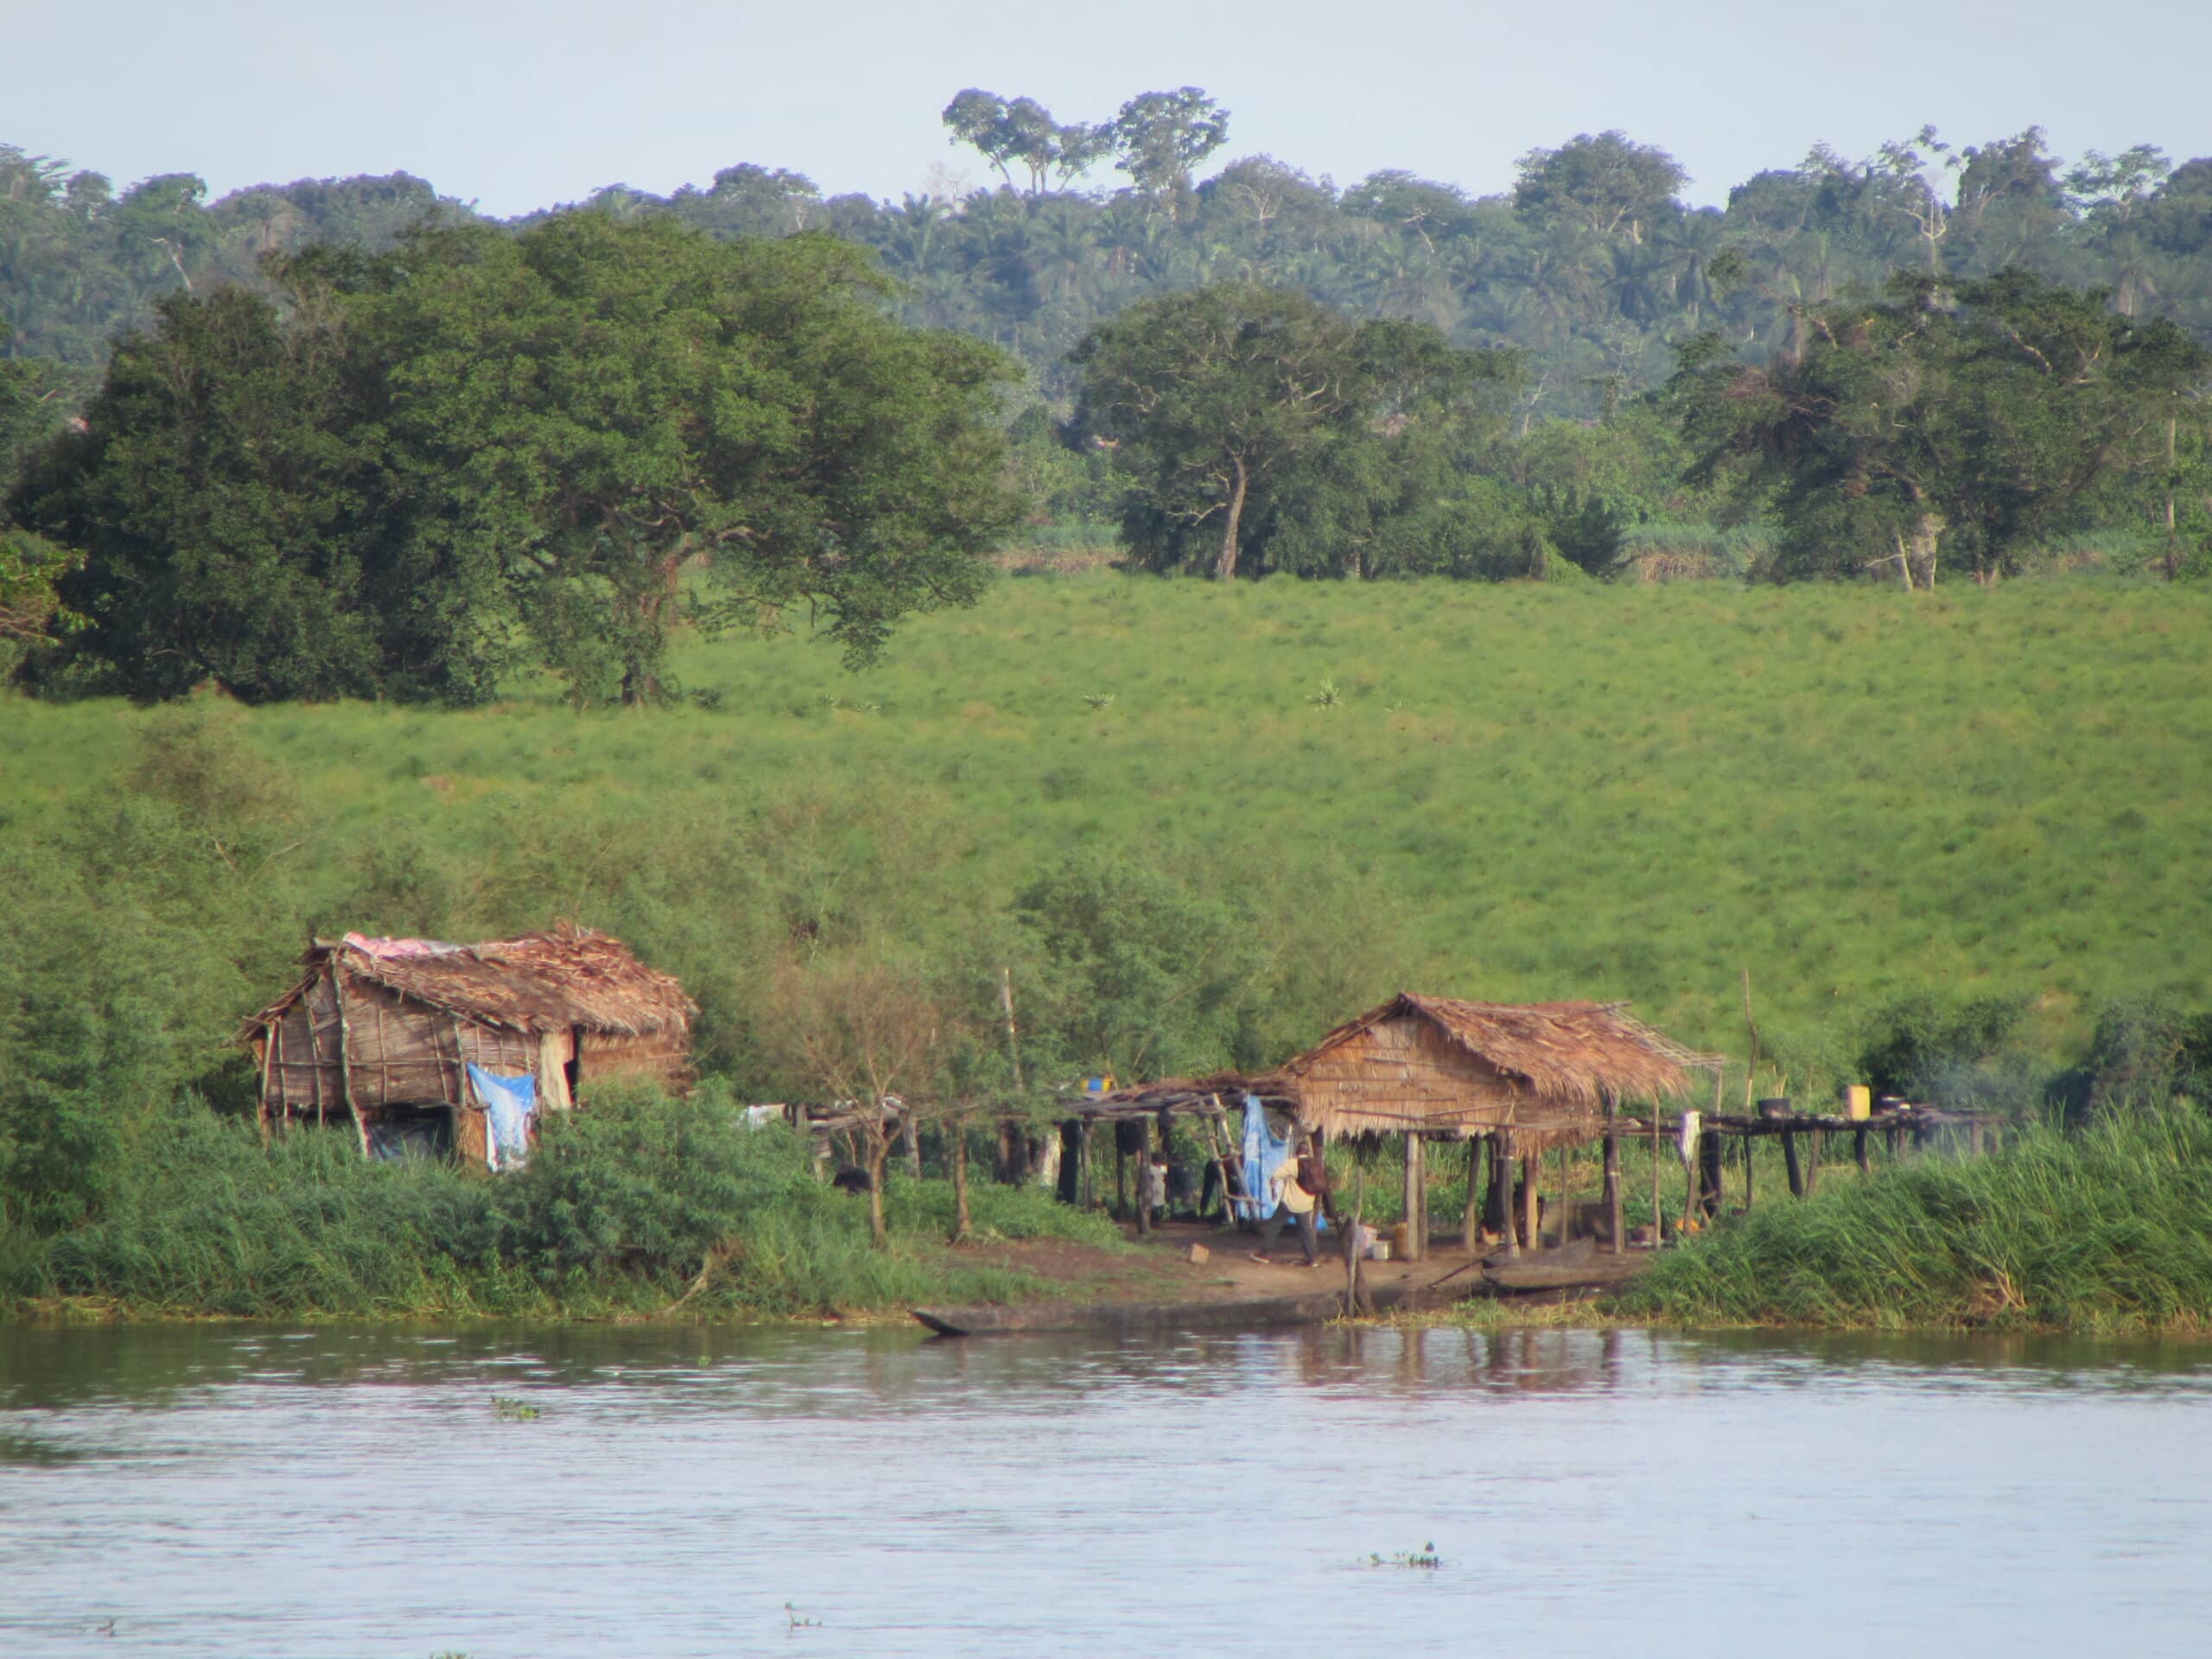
column 567, row 976
column 1441, row 1064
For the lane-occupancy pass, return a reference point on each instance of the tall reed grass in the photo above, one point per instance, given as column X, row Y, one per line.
column 2104, row 1229
column 638, row 1207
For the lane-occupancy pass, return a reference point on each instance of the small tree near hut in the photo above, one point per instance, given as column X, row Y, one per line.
column 866, row 1030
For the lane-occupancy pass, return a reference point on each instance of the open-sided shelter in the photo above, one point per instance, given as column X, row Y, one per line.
column 1438, row 1065
column 1524, row 1077
column 381, row 1031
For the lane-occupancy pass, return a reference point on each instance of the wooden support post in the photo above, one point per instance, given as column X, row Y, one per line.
column 1858, row 1152
column 1502, row 1171
column 268, row 1065
column 345, row 1054
column 1790, row 1157
column 1530, row 1212
column 1470, row 1217
column 1565, row 1207
column 1121, row 1176
column 1613, row 1172
column 1813, row 1162
column 1708, row 1160
column 1751, row 1157
column 1416, row 1222
column 1144, row 1178
column 1658, row 1217
column 1357, row 1300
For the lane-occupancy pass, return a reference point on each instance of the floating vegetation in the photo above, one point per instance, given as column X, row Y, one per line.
column 1425, row 1557
column 511, row 1410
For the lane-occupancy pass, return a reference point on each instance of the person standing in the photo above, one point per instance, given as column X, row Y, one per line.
column 1306, row 1189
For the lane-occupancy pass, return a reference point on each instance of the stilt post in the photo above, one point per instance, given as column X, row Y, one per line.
column 1613, row 1172
column 1502, row 1168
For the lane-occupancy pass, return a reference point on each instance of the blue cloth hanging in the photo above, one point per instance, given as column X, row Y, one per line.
column 1264, row 1153
column 508, row 1103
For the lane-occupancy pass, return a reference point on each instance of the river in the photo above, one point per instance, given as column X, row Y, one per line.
column 243, row 1490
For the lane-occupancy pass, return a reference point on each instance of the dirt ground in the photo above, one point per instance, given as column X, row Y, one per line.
column 1157, row 1267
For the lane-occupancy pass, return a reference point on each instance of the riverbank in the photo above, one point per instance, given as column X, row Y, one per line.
column 644, row 1210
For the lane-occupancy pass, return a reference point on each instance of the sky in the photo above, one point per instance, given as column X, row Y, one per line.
column 523, row 103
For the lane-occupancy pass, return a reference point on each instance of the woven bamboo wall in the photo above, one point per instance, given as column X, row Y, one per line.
column 402, row 1052
column 1405, row 1073
column 300, row 1059
column 654, row 1057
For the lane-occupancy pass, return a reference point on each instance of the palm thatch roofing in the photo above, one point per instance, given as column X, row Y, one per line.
column 566, row 976
column 1443, row 1065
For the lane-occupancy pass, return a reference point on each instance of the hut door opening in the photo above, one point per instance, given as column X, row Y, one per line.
column 573, row 1069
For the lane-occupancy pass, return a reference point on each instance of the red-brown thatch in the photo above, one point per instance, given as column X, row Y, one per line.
column 378, row 1025
column 552, row 980
column 1448, row 1066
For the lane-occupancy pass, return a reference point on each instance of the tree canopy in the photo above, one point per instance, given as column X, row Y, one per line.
column 427, row 465
column 1969, row 417
column 1224, row 403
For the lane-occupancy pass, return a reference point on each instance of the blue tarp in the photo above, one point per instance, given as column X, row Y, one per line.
column 508, row 1103
column 1264, row 1153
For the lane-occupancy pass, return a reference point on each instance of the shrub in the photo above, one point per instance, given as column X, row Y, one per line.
column 648, row 1185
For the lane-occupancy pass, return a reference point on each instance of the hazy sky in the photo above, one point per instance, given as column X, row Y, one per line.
column 520, row 104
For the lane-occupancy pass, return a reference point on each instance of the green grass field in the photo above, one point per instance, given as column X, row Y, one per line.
column 1513, row 792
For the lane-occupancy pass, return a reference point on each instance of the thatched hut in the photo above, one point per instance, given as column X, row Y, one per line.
column 1441, row 1066
column 1523, row 1077
column 381, row 1031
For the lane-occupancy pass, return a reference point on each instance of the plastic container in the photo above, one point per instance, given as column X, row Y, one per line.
column 1400, row 1237
column 1379, row 1250
column 1858, row 1101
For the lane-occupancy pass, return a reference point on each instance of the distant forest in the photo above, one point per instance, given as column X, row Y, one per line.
column 1591, row 267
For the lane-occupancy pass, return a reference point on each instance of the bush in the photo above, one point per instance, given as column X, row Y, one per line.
column 1947, row 1052
column 648, row 1185
column 2148, row 1048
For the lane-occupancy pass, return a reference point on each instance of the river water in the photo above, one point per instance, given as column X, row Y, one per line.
column 236, row 1491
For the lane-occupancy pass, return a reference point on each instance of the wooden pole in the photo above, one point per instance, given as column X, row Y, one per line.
column 1689, row 1180
column 1658, row 1220
column 268, row 1066
column 1470, row 1218
column 1613, row 1171
column 1416, row 1226
column 1858, row 1152
column 345, row 1053
column 1751, row 1066
column 1790, row 1157
column 1751, row 1157
column 1357, row 1300
column 1708, row 1148
column 1502, row 1166
column 1530, row 1235
column 1144, row 1178
column 1812, row 1163
column 1566, row 1201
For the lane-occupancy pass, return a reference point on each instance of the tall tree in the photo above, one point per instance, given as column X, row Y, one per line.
column 1606, row 184
column 1159, row 137
column 1972, row 416
column 1206, row 394
column 365, row 491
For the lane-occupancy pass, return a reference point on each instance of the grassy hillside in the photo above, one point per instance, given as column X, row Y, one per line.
column 1561, row 791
